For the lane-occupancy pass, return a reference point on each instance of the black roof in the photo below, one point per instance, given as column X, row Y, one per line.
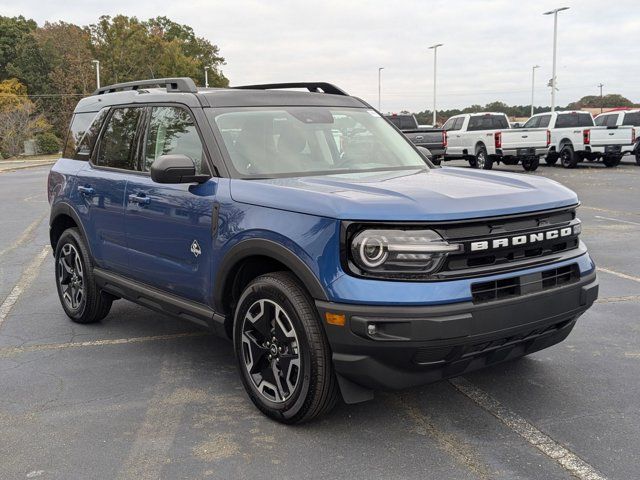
column 183, row 90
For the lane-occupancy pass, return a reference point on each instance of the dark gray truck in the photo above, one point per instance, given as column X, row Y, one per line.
column 433, row 139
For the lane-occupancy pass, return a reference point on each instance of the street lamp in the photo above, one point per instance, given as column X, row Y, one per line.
column 379, row 71
column 533, row 84
column 206, row 77
column 435, row 66
column 555, row 42
column 97, row 64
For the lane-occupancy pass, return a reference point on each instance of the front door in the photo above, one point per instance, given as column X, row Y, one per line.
column 169, row 227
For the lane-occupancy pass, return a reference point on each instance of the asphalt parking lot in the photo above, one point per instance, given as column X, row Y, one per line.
column 142, row 396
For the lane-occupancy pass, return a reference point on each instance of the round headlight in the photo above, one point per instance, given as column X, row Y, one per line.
column 373, row 251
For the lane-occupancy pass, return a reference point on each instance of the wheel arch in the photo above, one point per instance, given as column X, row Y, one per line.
column 251, row 258
column 479, row 144
column 564, row 142
column 62, row 217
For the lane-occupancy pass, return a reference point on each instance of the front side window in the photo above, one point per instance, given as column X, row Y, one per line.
column 453, row 124
column 533, row 122
column 298, row 141
column 172, row 131
column 574, row 119
column 544, row 121
column 117, row 146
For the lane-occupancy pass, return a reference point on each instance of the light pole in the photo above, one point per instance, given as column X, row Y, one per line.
column 206, row 77
column 379, row 88
column 533, row 84
column 97, row 64
column 555, row 42
column 435, row 66
column 600, row 87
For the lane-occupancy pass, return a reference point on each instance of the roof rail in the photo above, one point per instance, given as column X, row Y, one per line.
column 315, row 87
column 181, row 85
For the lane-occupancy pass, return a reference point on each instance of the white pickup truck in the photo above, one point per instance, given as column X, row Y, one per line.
column 574, row 138
column 619, row 118
column 485, row 138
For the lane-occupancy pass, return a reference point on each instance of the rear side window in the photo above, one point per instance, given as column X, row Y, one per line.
column 172, row 131
column 117, row 146
column 82, row 135
column 632, row 119
column 544, row 121
column 487, row 122
column 573, row 119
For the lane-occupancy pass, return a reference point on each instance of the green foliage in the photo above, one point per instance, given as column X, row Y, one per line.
column 594, row 101
column 12, row 32
column 47, row 143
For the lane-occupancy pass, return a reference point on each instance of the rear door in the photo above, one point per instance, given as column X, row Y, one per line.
column 169, row 227
column 453, row 127
column 101, row 186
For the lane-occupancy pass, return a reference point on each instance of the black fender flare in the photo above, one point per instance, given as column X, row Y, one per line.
column 479, row 144
column 268, row 248
column 63, row 208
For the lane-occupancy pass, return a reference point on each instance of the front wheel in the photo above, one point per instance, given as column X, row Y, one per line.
column 638, row 158
column 551, row 158
column 81, row 299
column 282, row 351
column 531, row 164
column 611, row 160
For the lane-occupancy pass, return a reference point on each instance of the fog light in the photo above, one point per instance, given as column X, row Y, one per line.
column 372, row 329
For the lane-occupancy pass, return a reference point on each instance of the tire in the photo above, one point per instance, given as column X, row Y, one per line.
column 611, row 161
column 483, row 161
column 638, row 158
column 568, row 157
column 436, row 161
column 293, row 339
column 472, row 162
column 531, row 164
column 551, row 158
column 81, row 299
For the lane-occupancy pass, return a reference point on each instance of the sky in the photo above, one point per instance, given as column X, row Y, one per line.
column 489, row 46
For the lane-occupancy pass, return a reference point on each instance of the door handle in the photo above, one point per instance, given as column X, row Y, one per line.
column 139, row 199
column 87, row 191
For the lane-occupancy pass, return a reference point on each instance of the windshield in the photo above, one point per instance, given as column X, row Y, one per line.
column 299, row 141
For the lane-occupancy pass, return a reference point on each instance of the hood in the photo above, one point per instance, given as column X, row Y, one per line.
column 437, row 195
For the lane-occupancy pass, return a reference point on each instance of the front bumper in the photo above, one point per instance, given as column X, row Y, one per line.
column 414, row 345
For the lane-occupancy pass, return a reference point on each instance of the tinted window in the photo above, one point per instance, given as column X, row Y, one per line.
column 297, row 141
column 573, row 119
column 487, row 122
column 407, row 123
column 632, row 118
column 458, row 124
column 544, row 121
column 395, row 120
column 600, row 119
column 533, row 122
column 172, row 131
column 117, row 143
column 82, row 135
column 454, row 124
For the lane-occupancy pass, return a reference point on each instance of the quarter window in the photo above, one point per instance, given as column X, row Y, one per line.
column 117, row 146
column 82, row 135
column 172, row 131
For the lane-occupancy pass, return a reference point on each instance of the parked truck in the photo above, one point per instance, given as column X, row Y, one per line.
column 486, row 138
column 630, row 118
column 574, row 138
column 433, row 139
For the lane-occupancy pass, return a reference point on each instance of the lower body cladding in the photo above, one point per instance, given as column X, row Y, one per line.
column 396, row 347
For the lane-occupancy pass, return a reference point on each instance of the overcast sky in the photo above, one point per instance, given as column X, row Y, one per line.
column 489, row 46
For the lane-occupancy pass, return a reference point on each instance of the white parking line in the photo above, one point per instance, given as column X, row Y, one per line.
column 23, row 236
column 547, row 445
column 618, row 274
column 627, row 298
column 26, row 279
column 11, row 351
column 617, row 220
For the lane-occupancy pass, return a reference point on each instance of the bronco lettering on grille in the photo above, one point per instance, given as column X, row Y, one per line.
column 519, row 240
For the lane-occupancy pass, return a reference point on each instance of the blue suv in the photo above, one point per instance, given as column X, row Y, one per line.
column 308, row 230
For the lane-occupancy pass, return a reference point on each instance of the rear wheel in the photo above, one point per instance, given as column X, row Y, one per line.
column 568, row 157
column 483, row 161
column 81, row 299
column 530, row 164
column 472, row 162
column 611, row 160
column 638, row 158
column 282, row 351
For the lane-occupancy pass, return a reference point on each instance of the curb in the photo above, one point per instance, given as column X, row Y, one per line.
column 23, row 167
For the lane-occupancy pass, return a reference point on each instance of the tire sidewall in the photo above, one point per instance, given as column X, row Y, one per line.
column 263, row 289
column 567, row 157
column 71, row 237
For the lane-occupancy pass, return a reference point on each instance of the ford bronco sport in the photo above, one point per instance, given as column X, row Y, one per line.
column 305, row 228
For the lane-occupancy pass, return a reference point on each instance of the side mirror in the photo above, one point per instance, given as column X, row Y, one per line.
column 425, row 152
column 176, row 168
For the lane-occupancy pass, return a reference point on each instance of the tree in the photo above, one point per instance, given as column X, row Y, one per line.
column 12, row 32
column 594, row 101
column 18, row 118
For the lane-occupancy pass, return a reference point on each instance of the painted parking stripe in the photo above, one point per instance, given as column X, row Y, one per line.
column 25, row 281
column 23, row 236
column 11, row 351
column 627, row 298
column 618, row 220
column 547, row 445
column 619, row 274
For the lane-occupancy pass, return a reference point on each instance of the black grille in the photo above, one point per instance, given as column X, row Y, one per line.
column 515, row 286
